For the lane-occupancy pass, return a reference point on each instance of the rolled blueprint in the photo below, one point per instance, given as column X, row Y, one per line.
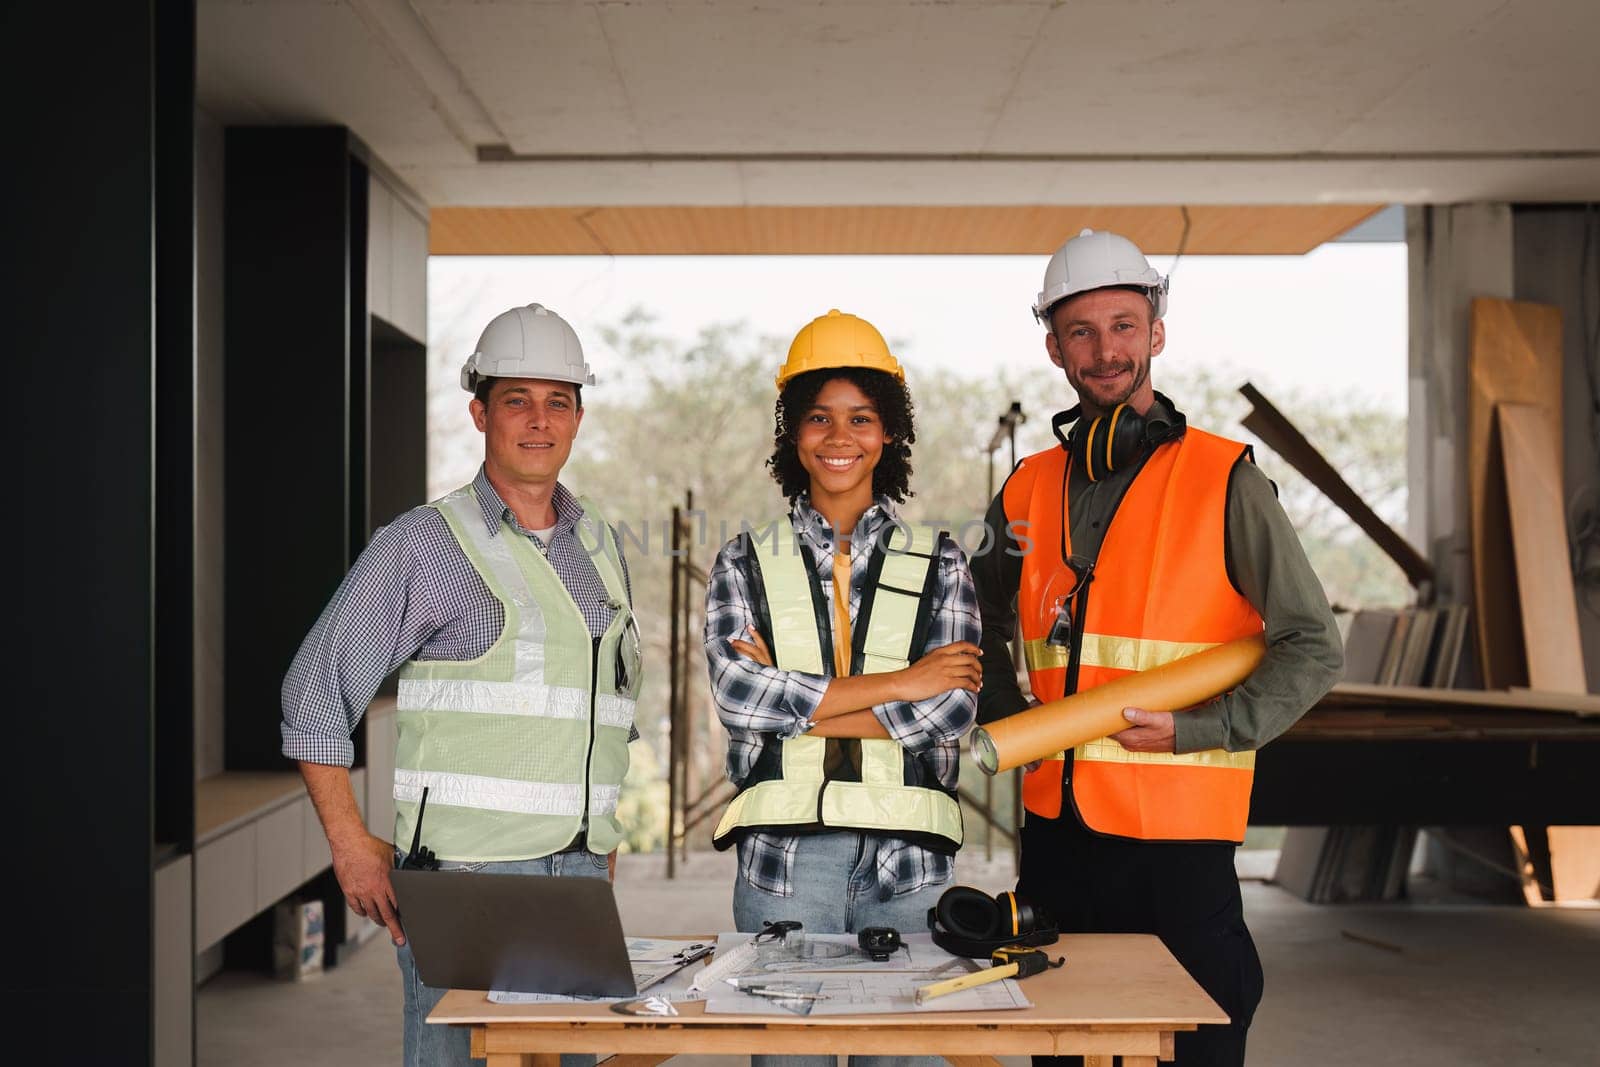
column 1095, row 713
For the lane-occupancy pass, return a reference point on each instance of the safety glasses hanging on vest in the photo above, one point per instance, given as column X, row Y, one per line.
column 1068, row 605
column 628, row 653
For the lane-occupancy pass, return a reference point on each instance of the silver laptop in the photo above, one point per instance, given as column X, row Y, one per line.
column 522, row 933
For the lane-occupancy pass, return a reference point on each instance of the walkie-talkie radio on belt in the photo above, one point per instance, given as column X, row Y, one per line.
column 420, row 858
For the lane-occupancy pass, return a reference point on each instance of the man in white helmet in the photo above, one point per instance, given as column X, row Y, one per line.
column 505, row 606
column 1135, row 541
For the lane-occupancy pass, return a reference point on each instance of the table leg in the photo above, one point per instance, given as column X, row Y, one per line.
column 1138, row 1061
column 517, row 1059
column 1099, row 1061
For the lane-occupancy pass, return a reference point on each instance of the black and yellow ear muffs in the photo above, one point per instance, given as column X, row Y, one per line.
column 969, row 922
column 1116, row 441
column 1110, row 442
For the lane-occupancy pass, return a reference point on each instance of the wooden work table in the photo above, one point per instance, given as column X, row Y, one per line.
column 1380, row 712
column 1119, row 994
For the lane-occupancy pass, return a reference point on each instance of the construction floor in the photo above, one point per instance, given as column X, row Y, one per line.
column 1394, row 984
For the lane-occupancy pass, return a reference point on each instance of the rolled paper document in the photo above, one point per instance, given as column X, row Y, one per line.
column 1095, row 713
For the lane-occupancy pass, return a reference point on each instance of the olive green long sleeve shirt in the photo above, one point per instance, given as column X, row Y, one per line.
column 1265, row 563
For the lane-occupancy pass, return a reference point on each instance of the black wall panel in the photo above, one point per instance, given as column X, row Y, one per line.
column 99, row 299
column 289, row 397
column 399, row 470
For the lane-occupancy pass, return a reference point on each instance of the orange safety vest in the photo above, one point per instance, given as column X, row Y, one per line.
column 1159, row 592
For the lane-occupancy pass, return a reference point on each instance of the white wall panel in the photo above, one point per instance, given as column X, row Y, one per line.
column 381, row 209
column 225, row 885
column 317, row 857
column 381, row 739
column 408, row 271
column 280, row 853
column 174, row 963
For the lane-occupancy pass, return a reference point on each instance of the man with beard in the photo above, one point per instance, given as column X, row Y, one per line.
column 1137, row 541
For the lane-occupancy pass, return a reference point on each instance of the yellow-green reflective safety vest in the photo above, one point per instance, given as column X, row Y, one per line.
column 810, row 784
column 525, row 745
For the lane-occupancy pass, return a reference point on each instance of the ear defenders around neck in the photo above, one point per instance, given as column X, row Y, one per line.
column 1110, row 442
column 969, row 922
column 1119, row 440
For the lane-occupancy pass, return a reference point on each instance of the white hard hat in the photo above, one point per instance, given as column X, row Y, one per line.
column 527, row 342
column 1096, row 260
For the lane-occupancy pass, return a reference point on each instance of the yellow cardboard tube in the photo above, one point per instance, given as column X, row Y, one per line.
column 1095, row 713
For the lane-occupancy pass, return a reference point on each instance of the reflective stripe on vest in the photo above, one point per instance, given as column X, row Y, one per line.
column 801, row 797
column 1160, row 592
column 528, row 743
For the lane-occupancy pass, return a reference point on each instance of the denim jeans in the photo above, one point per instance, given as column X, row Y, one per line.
column 835, row 891
column 427, row 1045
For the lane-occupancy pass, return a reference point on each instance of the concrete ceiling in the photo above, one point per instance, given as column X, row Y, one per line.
column 932, row 102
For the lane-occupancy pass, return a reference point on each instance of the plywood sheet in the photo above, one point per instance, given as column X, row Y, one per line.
column 1558, row 864
column 1366, row 644
column 1515, row 359
column 1551, row 641
column 1575, row 862
column 1270, row 229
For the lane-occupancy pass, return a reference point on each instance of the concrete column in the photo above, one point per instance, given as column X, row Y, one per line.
column 1557, row 255
column 1457, row 252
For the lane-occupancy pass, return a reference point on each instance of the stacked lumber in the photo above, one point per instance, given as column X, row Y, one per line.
column 1413, row 647
column 1344, row 864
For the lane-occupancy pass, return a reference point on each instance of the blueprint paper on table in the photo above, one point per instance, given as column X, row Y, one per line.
column 661, row 949
column 837, row 952
column 862, row 993
column 832, row 967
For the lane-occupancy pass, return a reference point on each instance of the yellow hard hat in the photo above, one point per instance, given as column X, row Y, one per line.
column 838, row 340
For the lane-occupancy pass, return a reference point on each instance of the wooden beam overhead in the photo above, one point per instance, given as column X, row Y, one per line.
column 879, row 230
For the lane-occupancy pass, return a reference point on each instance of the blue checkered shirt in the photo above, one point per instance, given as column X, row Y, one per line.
column 755, row 702
column 413, row 594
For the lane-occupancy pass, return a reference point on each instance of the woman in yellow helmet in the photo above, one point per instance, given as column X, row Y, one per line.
column 842, row 648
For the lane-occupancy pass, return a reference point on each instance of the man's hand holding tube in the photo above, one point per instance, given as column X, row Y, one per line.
column 1152, row 731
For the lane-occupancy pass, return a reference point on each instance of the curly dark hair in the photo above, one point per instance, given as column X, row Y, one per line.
column 892, row 476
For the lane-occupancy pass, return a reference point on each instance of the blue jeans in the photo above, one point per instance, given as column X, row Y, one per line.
column 835, row 891
column 426, row 1045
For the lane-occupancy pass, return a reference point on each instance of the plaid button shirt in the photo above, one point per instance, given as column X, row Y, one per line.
column 755, row 702
column 413, row 594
